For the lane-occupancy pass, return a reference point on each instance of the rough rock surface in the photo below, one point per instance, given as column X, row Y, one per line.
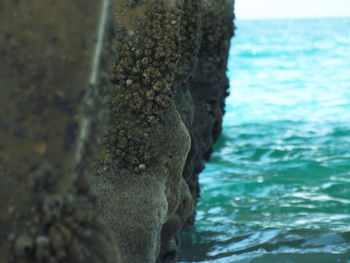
column 53, row 85
column 85, row 149
column 201, row 102
column 166, row 110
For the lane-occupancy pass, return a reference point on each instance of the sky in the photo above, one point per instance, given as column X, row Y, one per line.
column 250, row 9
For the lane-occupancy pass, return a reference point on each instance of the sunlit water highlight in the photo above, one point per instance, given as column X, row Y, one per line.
column 278, row 186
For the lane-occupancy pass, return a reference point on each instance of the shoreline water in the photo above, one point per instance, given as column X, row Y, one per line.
column 277, row 187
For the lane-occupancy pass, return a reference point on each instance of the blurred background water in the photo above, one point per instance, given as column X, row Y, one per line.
column 277, row 188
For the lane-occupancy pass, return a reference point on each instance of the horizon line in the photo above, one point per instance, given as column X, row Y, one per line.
column 293, row 17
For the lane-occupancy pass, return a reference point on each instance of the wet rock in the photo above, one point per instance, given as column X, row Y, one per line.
column 169, row 83
column 147, row 126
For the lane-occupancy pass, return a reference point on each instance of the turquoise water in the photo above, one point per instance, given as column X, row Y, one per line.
column 277, row 188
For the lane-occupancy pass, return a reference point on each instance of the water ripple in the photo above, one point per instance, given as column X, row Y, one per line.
column 277, row 188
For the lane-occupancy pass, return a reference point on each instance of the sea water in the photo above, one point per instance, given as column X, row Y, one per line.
column 277, row 188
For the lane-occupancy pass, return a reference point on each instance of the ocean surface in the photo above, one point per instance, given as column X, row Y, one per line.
column 277, row 188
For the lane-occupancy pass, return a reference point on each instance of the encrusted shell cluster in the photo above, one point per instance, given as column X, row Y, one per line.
column 143, row 86
column 43, row 230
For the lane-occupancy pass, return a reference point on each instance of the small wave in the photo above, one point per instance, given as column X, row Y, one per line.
column 277, row 188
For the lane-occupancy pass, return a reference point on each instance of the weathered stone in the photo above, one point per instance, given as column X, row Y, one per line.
column 54, row 75
column 176, row 79
column 147, row 126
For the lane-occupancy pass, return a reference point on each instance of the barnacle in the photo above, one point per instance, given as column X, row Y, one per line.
column 143, row 77
column 44, row 229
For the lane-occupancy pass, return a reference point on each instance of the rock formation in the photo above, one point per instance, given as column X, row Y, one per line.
column 85, row 146
column 54, row 79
